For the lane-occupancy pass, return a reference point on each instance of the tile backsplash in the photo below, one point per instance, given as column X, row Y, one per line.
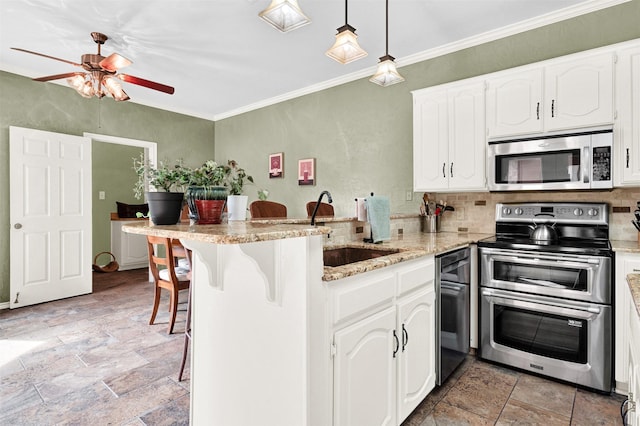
column 476, row 210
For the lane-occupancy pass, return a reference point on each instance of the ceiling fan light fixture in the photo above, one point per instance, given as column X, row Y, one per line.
column 284, row 15
column 386, row 74
column 346, row 48
column 114, row 88
column 77, row 81
column 87, row 90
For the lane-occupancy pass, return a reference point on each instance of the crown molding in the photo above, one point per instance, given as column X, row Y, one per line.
column 509, row 30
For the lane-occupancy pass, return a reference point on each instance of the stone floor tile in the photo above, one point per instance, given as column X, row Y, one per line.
column 448, row 415
column 551, row 396
column 12, row 403
column 141, row 376
column 174, row 413
column 595, row 409
column 520, row 413
column 483, row 389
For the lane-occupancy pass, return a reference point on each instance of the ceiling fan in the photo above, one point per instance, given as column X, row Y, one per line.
column 101, row 76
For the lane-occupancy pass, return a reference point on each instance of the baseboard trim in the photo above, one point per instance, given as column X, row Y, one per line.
column 4, row 305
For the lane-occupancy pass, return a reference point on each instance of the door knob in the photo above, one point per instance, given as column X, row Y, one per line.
column 17, row 226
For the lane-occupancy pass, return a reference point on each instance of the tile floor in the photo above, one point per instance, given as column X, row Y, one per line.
column 94, row 360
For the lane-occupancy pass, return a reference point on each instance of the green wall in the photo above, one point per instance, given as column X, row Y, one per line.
column 51, row 107
column 361, row 134
column 112, row 173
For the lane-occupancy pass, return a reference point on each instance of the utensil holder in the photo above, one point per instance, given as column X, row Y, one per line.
column 430, row 223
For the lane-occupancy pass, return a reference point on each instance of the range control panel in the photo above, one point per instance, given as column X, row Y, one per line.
column 586, row 213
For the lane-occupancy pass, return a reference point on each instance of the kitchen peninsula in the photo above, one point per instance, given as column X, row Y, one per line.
column 267, row 314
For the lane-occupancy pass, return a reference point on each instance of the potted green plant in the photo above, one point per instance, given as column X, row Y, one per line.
column 165, row 203
column 236, row 202
column 206, row 194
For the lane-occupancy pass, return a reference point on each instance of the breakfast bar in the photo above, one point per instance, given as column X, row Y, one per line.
column 265, row 310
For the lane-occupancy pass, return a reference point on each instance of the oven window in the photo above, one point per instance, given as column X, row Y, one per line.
column 539, row 167
column 541, row 275
column 547, row 335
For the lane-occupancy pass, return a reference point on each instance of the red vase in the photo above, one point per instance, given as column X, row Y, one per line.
column 210, row 211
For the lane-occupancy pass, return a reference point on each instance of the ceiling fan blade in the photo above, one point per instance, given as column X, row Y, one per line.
column 146, row 83
column 114, row 62
column 47, row 56
column 58, row 76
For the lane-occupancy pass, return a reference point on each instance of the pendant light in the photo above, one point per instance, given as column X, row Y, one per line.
column 386, row 74
column 284, row 15
column 346, row 48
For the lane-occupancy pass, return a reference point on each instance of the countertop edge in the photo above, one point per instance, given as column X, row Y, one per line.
column 634, row 285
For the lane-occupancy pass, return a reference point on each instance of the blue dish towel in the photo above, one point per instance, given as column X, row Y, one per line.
column 378, row 215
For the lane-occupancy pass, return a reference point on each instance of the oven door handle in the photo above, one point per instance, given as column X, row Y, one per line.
column 542, row 260
column 534, row 303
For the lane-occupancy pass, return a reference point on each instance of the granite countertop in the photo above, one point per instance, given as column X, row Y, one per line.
column 411, row 247
column 228, row 233
column 321, row 219
column 625, row 246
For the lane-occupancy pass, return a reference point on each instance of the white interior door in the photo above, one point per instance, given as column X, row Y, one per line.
column 50, row 215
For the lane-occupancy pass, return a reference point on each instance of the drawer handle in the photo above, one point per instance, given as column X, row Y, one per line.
column 405, row 337
column 538, row 111
column 395, row 336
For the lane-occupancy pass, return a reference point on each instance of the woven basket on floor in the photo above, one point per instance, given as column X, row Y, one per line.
column 109, row 267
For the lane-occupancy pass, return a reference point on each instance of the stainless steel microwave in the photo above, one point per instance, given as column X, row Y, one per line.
column 569, row 161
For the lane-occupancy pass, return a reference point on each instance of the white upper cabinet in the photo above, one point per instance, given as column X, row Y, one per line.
column 448, row 137
column 562, row 94
column 514, row 101
column 627, row 130
column 579, row 93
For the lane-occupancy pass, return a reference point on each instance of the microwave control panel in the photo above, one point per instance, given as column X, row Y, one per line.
column 601, row 163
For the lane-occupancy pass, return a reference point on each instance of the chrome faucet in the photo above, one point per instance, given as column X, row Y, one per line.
column 315, row 210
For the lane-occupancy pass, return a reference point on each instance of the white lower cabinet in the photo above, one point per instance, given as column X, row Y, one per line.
column 130, row 250
column 626, row 263
column 633, row 416
column 383, row 343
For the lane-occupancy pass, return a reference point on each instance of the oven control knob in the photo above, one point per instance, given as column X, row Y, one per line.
column 506, row 211
column 578, row 212
column 592, row 212
column 518, row 211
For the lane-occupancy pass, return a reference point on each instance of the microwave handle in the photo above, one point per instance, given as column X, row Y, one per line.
column 586, row 164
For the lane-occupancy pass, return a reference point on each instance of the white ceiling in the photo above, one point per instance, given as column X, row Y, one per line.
column 222, row 59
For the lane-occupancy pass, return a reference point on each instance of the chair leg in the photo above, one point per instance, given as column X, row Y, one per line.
column 156, row 302
column 184, row 356
column 173, row 309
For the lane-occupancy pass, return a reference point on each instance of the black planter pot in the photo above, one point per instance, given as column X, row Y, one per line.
column 165, row 207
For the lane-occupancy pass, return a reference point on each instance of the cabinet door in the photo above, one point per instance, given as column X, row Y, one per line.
column 467, row 140
column 416, row 358
column 628, row 126
column 430, row 140
column 626, row 263
column 514, row 104
column 365, row 371
column 579, row 93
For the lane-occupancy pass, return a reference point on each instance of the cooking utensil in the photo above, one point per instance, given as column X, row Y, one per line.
column 425, row 200
column 543, row 232
column 636, row 224
column 637, row 215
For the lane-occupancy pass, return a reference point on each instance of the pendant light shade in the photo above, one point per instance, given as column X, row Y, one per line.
column 346, row 48
column 386, row 74
column 284, row 15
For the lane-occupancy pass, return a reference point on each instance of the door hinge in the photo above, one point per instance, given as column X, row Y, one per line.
column 333, row 351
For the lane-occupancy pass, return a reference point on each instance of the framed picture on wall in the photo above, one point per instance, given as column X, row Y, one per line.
column 307, row 171
column 276, row 165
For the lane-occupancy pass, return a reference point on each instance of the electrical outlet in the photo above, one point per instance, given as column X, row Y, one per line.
column 101, row 195
column 460, row 213
column 408, row 196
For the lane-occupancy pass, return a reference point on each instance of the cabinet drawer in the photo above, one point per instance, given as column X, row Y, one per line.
column 416, row 276
column 362, row 294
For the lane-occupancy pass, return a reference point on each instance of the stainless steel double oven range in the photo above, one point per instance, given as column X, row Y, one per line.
column 545, row 304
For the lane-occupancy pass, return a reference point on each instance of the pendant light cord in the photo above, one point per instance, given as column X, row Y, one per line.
column 386, row 52
column 346, row 8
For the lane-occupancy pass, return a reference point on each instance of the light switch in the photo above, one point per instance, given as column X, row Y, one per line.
column 101, row 195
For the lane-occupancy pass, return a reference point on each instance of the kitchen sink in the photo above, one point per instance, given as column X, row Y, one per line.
column 345, row 255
